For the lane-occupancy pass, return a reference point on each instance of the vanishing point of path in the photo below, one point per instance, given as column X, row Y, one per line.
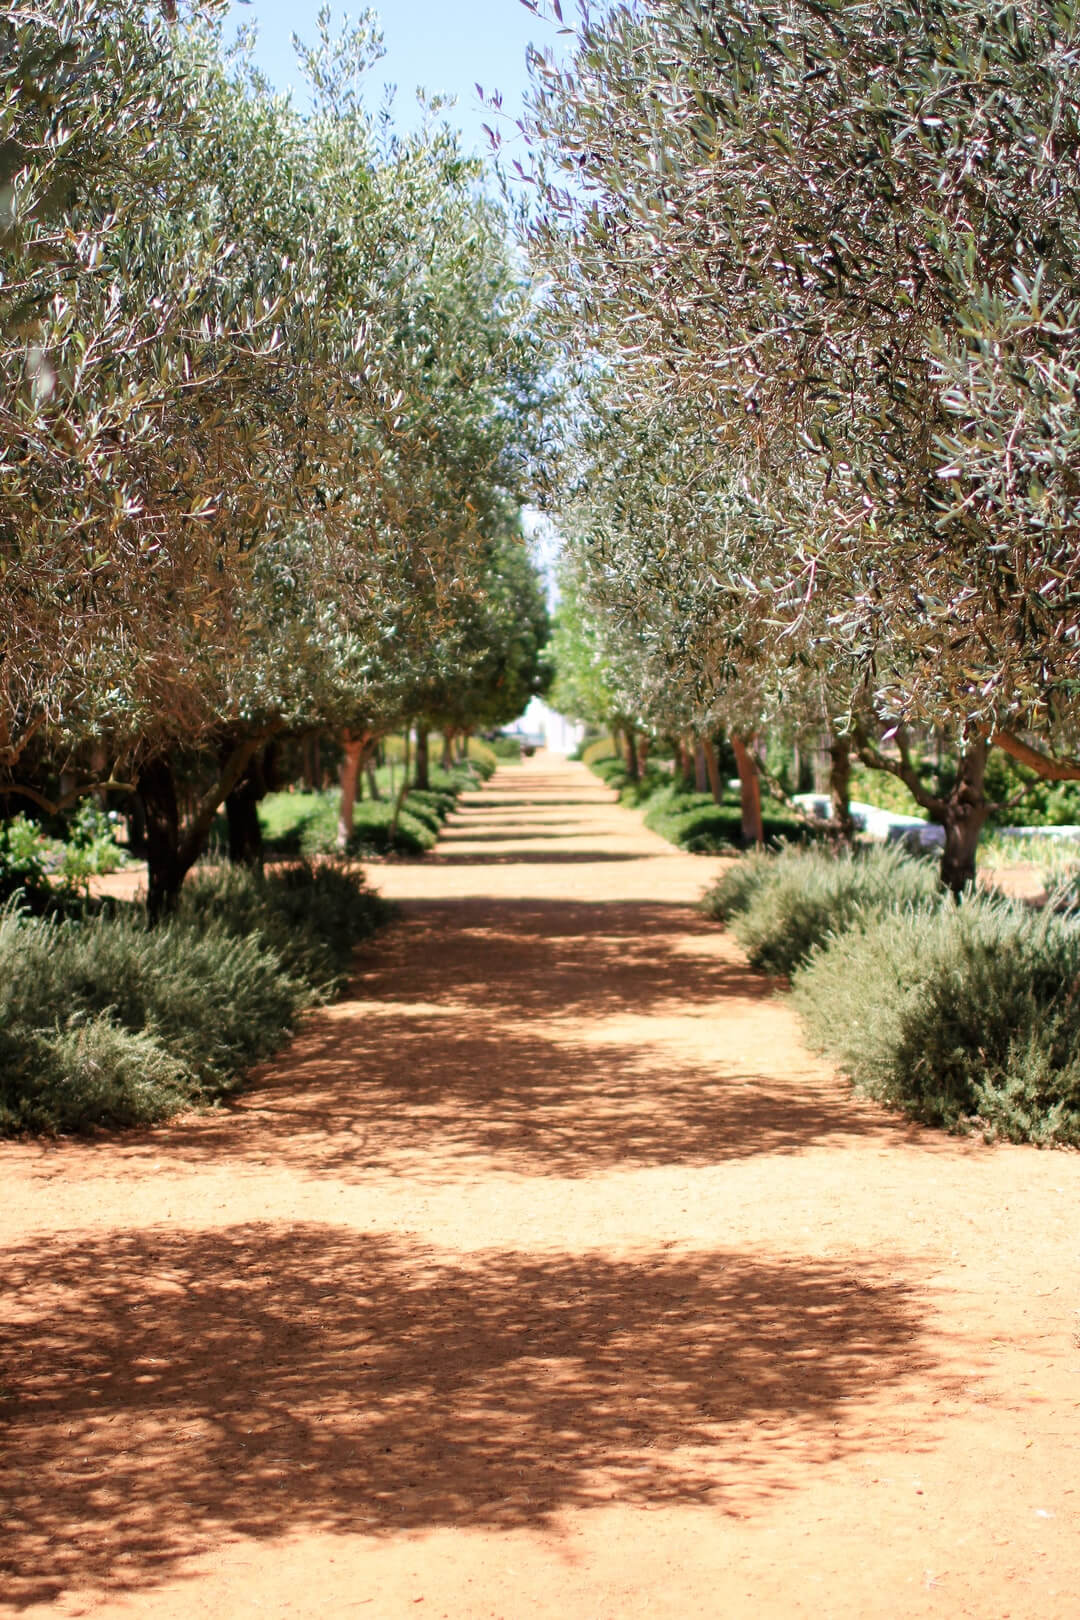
column 550, row 1276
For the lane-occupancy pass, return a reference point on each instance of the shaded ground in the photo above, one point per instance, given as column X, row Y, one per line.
column 550, row 1276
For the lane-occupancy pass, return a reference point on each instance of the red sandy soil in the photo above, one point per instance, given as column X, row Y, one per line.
column 548, row 1276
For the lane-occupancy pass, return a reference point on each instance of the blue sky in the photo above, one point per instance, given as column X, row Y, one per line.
column 445, row 48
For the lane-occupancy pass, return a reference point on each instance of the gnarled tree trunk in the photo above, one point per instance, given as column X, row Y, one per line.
column 355, row 747
column 962, row 812
column 156, row 788
column 245, row 832
column 423, row 758
column 840, row 787
column 963, row 816
column 242, row 809
column 171, row 852
column 753, row 828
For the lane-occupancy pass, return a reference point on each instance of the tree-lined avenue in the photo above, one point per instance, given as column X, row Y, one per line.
column 549, row 1275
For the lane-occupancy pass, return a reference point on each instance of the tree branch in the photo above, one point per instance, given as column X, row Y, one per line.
column 54, row 807
column 1044, row 765
column 903, row 768
column 196, row 832
column 11, row 753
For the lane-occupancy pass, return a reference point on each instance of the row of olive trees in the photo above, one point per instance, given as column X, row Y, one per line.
column 819, row 263
column 268, row 387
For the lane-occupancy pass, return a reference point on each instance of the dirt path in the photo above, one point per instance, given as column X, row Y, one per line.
column 548, row 1277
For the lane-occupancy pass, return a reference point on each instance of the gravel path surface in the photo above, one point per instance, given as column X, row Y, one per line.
column 547, row 1276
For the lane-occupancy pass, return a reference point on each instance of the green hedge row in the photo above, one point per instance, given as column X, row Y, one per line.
column 306, row 823
column 966, row 1016
column 693, row 821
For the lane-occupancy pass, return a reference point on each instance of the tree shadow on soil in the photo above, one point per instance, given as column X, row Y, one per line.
column 166, row 1388
column 445, row 855
column 466, row 1038
column 403, row 1095
column 558, row 958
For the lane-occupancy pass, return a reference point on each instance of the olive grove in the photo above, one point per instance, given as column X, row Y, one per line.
column 269, row 392
column 815, row 264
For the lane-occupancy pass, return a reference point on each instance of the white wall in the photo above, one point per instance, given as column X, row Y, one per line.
column 561, row 735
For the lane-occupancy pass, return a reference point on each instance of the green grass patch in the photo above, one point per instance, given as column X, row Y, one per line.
column 299, row 823
column 374, row 833
column 696, row 823
column 305, row 823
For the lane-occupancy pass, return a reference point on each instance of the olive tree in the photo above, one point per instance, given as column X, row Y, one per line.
column 848, row 235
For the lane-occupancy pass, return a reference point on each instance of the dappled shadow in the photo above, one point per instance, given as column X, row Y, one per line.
column 478, row 1029
column 557, row 958
column 163, row 1389
column 538, row 801
column 445, row 855
column 406, row 1095
column 527, row 832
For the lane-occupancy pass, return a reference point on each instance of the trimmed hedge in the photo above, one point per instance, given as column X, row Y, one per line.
column 692, row 821
column 305, row 823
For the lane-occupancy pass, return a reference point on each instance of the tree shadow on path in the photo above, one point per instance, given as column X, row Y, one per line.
column 165, row 1388
column 525, row 1032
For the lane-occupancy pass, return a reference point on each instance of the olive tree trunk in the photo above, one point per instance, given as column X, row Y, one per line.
column 753, row 828
column 423, row 759
column 712, row 770
column 171, row 851
column 840, row 787
column 963, row 816
column 355, row 749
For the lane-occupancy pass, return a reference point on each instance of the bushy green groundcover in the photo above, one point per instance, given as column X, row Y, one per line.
column 966, row 1016
column 693, row 821
column 105, row 1021
column 780, row 906
column 306, row 823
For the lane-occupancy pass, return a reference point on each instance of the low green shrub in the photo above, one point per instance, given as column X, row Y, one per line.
column 692, row 821
column 311, row 914
column 90, row 849
column 781, row 906
column 593, row 752
column 88, row 1071
column 506, row 749
column 482, row 757
column 695, row 822
column 306, row 823
column 372, row 823
column 299, row 823
column 214, row 998
column 24, row 864
column 209, row 1001
column 633, row 791
column 106, row 1021
column 421, row 809
column 455, row 780
column 957, row 1014
column 736, row 889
